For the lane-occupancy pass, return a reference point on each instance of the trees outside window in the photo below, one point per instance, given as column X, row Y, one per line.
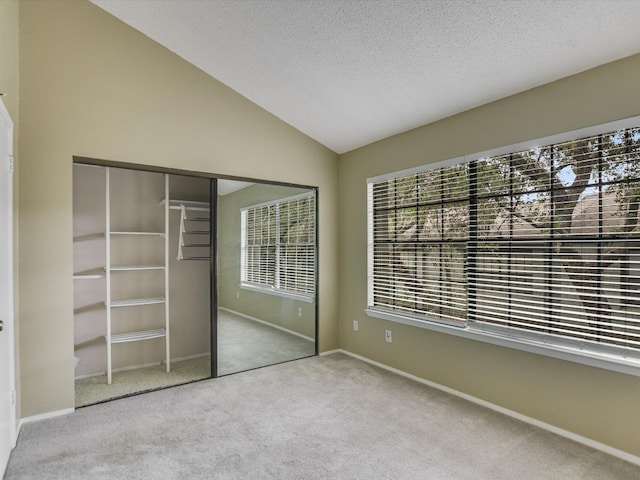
column 542, row 241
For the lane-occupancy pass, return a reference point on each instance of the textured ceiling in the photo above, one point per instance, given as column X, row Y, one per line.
column 350, row 72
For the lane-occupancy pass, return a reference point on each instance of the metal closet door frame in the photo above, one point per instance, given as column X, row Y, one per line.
column 213, row 267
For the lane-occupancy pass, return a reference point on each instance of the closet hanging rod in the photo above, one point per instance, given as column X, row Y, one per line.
column 188, row 204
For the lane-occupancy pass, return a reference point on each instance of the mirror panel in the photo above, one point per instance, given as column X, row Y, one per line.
column 266, row 256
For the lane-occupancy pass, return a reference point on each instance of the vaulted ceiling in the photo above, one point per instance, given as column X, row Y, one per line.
column 350, row 72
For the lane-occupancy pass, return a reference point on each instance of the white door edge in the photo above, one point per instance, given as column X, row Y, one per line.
column 6, row 165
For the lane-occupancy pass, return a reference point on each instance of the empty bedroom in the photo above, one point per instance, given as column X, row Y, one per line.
column 349, row 239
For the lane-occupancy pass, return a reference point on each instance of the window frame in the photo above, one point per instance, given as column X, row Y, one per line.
column 274, row 288
column 602, row 357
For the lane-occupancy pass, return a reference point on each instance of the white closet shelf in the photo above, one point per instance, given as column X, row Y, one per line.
column 128, row 268
column 151, row 234
column 88, row 236
column 188, row 204
column 137, row 336
column 136, row 301
column 88, row 277
column 92, row 274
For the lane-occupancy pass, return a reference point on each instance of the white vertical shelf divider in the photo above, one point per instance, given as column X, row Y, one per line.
column 107, row 269
column 166, row 273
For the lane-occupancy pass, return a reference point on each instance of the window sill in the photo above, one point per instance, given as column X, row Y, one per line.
column 608, row 361
column 278, row 293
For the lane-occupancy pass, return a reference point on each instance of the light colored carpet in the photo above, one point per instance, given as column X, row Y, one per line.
column 330, row 417
column 243, row 345
column 95, row 389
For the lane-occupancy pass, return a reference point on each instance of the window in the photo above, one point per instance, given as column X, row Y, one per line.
column 540, row 244
column 278, row 246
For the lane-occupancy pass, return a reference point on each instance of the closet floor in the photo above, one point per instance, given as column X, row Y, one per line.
column 94, row 389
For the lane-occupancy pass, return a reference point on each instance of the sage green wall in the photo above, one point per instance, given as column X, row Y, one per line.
column 92, row 86
column 598, row 404
column 280, row 311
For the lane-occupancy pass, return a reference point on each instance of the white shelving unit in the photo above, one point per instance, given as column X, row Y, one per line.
column 194, row 230
column 111, row 304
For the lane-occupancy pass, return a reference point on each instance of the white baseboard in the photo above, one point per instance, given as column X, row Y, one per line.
column 510, row 413
column 331, row 352
column 268, row 324
column 45, row 416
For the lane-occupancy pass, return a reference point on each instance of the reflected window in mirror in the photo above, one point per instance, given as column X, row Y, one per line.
column 278, row 246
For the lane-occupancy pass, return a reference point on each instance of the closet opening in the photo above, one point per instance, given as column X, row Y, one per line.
column 186, row 276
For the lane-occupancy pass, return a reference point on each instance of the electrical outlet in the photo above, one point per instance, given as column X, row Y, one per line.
column 237, row 294
column 387, row 336
column 355, row 325
column 299, row 311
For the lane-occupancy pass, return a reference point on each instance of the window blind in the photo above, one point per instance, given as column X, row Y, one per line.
column 542, row 243
column 419, row 237
column 278, row 245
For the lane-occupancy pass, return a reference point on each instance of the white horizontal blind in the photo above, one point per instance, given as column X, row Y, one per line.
column 559, row 242
column 259, row 245
column 296, row 252
column 278, row 245
column 418, row 240
column 540, row 243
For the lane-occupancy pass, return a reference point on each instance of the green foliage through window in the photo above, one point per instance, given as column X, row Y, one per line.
column 543, row 242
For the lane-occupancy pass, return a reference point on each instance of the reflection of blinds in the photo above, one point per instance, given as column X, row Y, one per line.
column 278, row 244
column 542, row 242
column 259, row 245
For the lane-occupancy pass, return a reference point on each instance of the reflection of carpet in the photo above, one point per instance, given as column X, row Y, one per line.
column 243, row 344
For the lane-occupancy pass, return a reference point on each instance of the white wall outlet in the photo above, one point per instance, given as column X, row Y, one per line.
column 299, row 311
column 237, row 294
column 387, row 336
column 355, row 325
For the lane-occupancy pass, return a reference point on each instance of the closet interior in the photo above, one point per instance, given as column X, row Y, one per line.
column 141, row 314
column 152, row 309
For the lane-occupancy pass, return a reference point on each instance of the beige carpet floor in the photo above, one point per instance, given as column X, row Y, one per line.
column 324, row 418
